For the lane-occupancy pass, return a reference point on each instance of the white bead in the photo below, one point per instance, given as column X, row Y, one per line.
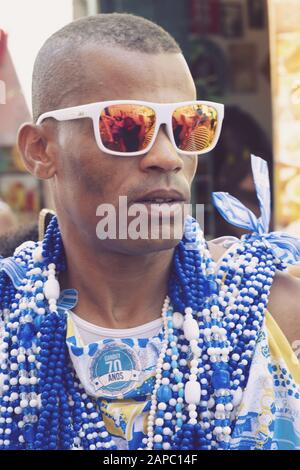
column 177, row 320
column 237, row 397
column 220, row 407
column 37, row 254
column 188, row 311
column 191, row 329
column 21, row 358
column 193, row 421
column 218, row 430
column 158, row 438
column 192, row 392
column 162, row 406
column 215, row 309
column 159, row 422
column 52, row 289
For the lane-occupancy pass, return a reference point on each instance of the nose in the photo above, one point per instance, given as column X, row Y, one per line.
column 162, row 156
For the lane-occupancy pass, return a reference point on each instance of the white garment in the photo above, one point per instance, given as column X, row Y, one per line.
column 90, row 333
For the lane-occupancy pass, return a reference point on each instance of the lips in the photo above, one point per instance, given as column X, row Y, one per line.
column 161, row 196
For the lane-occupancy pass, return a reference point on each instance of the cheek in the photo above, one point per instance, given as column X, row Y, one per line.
column 190, row 166
column 82, row 164
column 94, row 176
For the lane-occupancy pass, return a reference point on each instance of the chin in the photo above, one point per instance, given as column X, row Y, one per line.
column 138, row 247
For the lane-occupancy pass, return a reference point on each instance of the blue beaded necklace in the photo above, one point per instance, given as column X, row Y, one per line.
column 211, row 324
column 205, row 365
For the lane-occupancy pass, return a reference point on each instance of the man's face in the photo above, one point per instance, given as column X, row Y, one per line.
column 87, row 177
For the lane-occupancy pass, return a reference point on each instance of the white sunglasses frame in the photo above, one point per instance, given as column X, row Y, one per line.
column 163, row 116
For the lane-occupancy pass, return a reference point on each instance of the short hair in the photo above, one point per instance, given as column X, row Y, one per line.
column 56, row 60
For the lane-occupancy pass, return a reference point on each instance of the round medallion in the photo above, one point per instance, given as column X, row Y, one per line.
column 115, row 370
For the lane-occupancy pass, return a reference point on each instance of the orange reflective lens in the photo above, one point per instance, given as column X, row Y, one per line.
column 130, row 127
column 194, row 127
column 127, row 127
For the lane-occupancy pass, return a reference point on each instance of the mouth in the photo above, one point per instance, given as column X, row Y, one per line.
column 162, row 196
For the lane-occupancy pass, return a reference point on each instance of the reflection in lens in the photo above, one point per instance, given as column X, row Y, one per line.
column 194, row 126
column 127, row 127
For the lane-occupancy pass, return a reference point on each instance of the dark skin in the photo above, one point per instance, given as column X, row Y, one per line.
column 122, row 283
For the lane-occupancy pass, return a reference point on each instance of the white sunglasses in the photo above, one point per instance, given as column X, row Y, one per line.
column 130, row 127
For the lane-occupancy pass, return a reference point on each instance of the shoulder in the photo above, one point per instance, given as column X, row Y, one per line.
column 284, row 304
column 284, row 300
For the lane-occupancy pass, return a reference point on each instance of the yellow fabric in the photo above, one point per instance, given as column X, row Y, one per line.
column 281, row 348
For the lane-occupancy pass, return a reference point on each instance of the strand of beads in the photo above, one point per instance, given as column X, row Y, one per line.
column 161, row 392
column 193, row 433
column 43, row 406
column 36, row 404
column 171, row 392
column 222, row 346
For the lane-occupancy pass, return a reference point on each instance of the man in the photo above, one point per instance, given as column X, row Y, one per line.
column 135, row 375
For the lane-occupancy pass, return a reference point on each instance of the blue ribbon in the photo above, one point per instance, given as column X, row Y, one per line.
column 284, row 246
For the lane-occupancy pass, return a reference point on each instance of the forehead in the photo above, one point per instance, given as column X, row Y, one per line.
column 111, row 73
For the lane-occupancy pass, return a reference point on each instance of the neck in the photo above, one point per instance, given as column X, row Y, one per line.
column 115, row 290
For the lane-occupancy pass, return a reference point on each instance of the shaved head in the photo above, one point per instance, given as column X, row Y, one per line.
column 105, row 57
column 58, row 69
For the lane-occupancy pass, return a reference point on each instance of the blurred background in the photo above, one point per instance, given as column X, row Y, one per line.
column 243, row 53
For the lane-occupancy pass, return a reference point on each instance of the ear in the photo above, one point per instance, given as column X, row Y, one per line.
column 38, row 149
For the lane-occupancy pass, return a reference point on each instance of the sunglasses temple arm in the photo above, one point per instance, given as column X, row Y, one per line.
column 66, row 114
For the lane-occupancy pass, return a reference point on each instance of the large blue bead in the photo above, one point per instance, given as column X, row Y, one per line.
column 26, row 334
column 211, row 287
column 164, row 393
column 38, row 321
column 221, row 379
column 29, row 433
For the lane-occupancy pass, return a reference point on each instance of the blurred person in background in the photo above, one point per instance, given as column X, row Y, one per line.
column 8, row 220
